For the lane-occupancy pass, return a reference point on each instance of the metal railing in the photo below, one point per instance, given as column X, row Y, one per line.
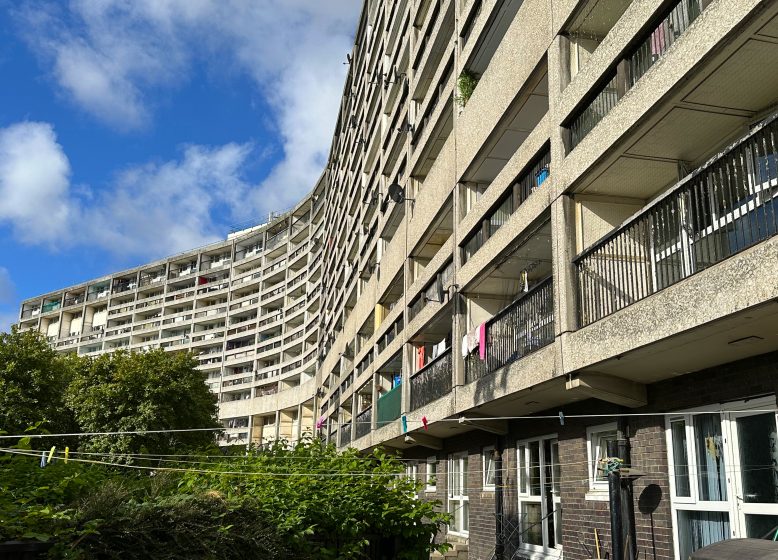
column 724, row 207
column 524, row 326
column 654, row 44
column 593, row 113
column 389, row 406
column 432, row 381
column 662, row 37
column 364, row 420
column 345, row 434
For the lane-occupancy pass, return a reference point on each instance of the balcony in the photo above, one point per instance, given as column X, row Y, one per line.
column 521, row 328
column 432, row 381
column 364, row 422
column 723, row 208
column 345, row 434
column 389, row 406
column 654, row 44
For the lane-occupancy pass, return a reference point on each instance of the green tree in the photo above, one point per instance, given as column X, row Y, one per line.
column 154, row 390
column 330, row 504
column 33, row 382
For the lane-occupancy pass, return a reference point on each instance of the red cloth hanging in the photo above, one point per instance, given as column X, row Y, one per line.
column 420, row 355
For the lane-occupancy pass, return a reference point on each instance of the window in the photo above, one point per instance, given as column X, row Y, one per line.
column 724, row 474
column 458, row 501
column 597, row 438
column 432, row 474
column 412, row 472
column 488, row 468
column 540, row 505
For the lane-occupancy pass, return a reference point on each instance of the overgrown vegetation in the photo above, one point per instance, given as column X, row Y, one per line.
column 176, row 495
column 466, row 85
column 302, row 501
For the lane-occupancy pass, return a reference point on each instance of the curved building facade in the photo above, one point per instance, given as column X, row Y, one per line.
column 544, row 225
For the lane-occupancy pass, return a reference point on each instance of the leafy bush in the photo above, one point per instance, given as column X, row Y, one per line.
column 466, row 83
column 305, row 501
column 332, row 504
column 171, row 527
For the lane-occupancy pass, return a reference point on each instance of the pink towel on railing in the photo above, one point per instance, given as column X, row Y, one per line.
column 482, row 341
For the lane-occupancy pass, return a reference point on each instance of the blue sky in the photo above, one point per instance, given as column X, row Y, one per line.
column 134, row 130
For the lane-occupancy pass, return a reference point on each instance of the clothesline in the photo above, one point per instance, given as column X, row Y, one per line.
column 561, row 417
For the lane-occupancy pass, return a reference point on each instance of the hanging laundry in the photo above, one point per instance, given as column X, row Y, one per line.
column 658, row 41
column 482, row 341
column 473, row 339
column 441, row 347
column 434, row 351
column 420, row 357
column 465, row 346
column 424, row 422
column 320, row 422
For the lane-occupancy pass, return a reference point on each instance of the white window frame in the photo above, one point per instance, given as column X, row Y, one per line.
column 487, row 459
column 456, row 502
column 412, row 472
column 536, row 552
column 431, row 481
column 733, row 506
column 597, row 488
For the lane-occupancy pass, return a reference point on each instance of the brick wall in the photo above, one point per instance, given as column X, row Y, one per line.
column 581, row 516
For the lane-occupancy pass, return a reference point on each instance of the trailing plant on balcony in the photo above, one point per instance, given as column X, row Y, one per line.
column 466, row 85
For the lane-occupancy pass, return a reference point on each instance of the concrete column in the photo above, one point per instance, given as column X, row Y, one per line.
column 458, row 327
column 563, row 252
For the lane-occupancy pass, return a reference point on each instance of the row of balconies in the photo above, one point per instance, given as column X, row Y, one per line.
column 121, row 285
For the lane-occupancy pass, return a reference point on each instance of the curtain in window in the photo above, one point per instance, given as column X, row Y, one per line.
column 700, row 528
column 711, row 465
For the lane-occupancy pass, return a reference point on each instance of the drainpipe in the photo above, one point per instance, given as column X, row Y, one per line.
column 614, row 492
column 627, row 501
column 499, row 548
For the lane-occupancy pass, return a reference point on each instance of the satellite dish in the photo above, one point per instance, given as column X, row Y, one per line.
column 396, row 192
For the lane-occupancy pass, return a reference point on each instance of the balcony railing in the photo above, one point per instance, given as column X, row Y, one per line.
column 600, row 106
column 721, row 209
column 364, row 420
column 345, row 434
column 521, row 328
column 629, row 70
column 662, row 37
column 432, row 381
column 389, row 406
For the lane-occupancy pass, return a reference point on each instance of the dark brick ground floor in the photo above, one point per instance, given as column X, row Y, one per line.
column 583, row 509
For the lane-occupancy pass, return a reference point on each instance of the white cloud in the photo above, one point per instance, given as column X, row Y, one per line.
column 111, row 56
column 161, row 209
column 34, row 182
column 147, row 210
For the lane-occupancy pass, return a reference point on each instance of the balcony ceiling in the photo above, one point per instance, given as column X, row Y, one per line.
column 527, row 111
column 742, row 335
column 534, row 255
column 700, row 117
column 597, row 18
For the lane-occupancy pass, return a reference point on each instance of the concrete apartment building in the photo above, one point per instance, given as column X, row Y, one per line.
column 592, row 231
